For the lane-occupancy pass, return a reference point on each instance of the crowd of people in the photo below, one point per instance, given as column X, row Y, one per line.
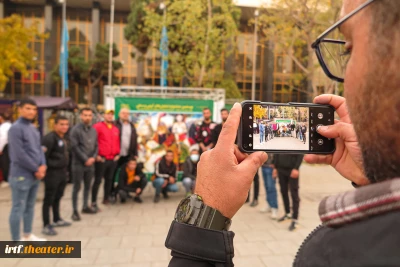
column 269, row 130
column 106, row 150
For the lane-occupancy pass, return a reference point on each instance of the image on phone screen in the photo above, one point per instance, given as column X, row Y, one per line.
column 281, row 128
column 285, row 128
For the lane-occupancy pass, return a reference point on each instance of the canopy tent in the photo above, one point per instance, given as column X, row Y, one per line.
column 48, row 102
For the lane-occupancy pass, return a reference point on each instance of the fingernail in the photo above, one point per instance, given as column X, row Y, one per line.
column 322, row 128
column 236, row 104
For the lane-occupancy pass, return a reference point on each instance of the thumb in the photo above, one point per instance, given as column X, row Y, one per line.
column 253, row 162
column 343, row 130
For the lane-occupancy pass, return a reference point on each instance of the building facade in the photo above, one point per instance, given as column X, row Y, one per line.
column 88, row 24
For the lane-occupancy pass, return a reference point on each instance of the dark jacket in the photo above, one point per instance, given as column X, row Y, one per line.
column 25, row 150
column 123, row 176
column 133, row 147
column 163, row 170
column 189, row 169
column 57, row 151
column 287, row 161
column 363, row 240
column 83, row 143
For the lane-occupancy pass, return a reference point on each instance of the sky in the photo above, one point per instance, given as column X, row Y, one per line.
column 252, row 3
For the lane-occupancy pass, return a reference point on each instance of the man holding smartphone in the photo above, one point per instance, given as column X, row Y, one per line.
column 359, row 227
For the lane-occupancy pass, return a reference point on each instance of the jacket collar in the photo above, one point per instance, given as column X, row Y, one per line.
column 360, row 204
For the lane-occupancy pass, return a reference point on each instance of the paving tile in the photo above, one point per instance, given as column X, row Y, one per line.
column 137, row 241
column 104, row 242
column 248, row 261
column 114, row 256
column 88, row 257
column 154, row 254
column 252, row 249
column 37, row 262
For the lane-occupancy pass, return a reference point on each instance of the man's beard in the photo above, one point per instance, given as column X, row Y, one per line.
column 374, row 111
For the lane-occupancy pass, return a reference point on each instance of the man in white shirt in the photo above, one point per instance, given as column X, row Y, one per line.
column 4, row 157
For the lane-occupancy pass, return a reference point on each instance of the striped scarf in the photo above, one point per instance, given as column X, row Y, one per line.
column 366, row 201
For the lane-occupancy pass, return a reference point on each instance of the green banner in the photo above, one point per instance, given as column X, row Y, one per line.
column 168, row 105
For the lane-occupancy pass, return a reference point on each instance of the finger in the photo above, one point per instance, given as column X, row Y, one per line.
column 229, row 130
column 338, row 102
column 240, row 156
column 343, row 130
column 318, row 159
column 253, row 162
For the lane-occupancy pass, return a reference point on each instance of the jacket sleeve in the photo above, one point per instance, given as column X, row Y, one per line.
column 48, row 142
column 186, row 171
column 298, row 161
column 194, row 246
column 77, row 150
column 158, row 171
column 4, row 128
column 134, row 145
column 15, row 138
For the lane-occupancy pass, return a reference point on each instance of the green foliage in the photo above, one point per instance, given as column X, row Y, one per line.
column 89, row 73
column 133, row 31
column 198, row 37
column 293, row 26
column 15, row 53
column 231, row 89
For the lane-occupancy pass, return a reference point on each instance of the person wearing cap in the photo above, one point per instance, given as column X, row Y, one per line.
column 108, row 138
column 190, row 170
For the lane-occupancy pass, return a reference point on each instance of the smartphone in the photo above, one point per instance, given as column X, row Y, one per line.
column 285, row 128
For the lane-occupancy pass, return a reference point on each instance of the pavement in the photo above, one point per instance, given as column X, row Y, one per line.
column 281, row 143
column 133, row 235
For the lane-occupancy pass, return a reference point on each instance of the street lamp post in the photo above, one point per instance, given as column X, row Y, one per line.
column 110, row 52
column 253, row 85
column 64, row 21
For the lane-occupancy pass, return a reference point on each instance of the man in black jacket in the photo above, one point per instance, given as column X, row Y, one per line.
column 57, row 158
column 131, row 179
column 360, row 227
column 165, row 176
column 190, row 170
column 84, row 152
column 128, row 137
column 287, row 168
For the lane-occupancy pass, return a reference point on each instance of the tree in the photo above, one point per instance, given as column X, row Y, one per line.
column 89, row 73
column 293, row 25
column 199, row 33
column 135, row 35
column 15, row 52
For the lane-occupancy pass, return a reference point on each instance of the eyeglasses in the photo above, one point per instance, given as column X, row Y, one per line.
column 331, row 53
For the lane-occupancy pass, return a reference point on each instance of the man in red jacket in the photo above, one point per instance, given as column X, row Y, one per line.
column 109, row 148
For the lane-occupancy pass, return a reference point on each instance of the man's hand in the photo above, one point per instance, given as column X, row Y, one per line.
column 41, row 172
column 137, row 178
column 275, row 173
column 138, row 191
column 347, row 159
column 165, row 183
column 294, row 174
column 89, row 162
column 98, row 159
column 171, row 180
column 225, row 174
column 116, row 158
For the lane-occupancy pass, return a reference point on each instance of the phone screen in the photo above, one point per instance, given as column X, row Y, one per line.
column 287, row 128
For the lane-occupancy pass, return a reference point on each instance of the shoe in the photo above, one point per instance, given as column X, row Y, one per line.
column 106, row 202
column 32, row 237
column 285, row 217
column 4, row 185
column 75, row 217
column 293, row 226
column 137, row 200
column 274, row 214
column 95, row 208
column 254, row 203
column 265, row 209
column 61, row 223
column 165, row 195
column 88, row 210
column 49, row 230
column 157, row 199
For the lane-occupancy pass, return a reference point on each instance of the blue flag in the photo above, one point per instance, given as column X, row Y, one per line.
column 64, row 56
column 164, row 56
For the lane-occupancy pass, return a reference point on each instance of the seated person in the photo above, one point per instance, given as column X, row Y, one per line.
column 131, row 179
column 165, row 176
column 190, row 171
